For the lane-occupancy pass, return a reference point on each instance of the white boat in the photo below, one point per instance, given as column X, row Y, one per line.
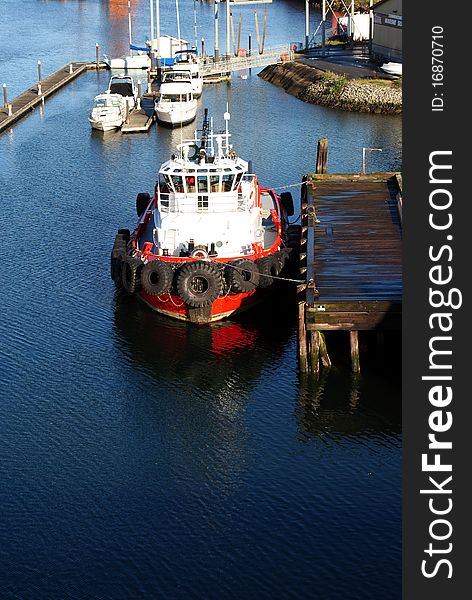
column 108, row 112
column 139, row 57
column 176, row 104
column 124, row 86
column 392, row 68
column 137, row 61
column 188, row 60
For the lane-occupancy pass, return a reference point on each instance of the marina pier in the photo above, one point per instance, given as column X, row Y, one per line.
column 38, row 92
column 351, row 260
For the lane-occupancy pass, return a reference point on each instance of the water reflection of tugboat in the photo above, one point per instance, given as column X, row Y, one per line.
column 224, row 359
column 210, row 241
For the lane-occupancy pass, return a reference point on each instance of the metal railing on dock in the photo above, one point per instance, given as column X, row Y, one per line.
column 350, row 258
column 271, row 56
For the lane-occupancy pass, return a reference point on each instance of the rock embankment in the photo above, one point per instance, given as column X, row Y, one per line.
column 335, row 91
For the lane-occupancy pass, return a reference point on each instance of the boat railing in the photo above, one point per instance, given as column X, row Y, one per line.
column 198, row 203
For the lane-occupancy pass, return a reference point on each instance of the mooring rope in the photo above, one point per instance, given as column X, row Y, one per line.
column 283, row 187
column 298, row 281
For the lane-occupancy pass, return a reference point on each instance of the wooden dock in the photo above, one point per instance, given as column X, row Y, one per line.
column 351, row 260
column 141, row 118
column 23, row 104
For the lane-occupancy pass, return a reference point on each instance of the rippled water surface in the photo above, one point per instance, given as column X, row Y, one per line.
column 141, row 457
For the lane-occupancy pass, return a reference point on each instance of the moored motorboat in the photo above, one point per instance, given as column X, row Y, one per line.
column 133, row 61
column 108, row 112
column 124, row 86
column 210, row 241
column 392, row 68
column 189, row 61
column 176, row 104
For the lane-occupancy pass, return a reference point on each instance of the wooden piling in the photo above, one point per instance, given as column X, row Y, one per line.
column 97, row 59
column 302, row 339
column 322, row 156
column 5, row 100
column 40, row 77
column 325, row 359
column 354, row 339
column 315, row 353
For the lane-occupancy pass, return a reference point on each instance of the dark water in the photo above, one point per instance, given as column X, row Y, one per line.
column 143, row 458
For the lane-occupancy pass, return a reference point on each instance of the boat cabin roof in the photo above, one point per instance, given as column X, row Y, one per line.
column 176, row 87
column 108, row 100
column 176, row 75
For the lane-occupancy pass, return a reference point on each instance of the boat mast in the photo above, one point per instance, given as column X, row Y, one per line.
column 178, row 23
column 151, row 12
column 129, row 26
column 158, row 33
column 195, row 22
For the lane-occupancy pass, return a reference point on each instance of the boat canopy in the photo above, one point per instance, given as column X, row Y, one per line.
column 165, row 61
column 139, row 48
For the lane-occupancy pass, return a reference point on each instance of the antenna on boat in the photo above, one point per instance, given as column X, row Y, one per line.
column 205, row 129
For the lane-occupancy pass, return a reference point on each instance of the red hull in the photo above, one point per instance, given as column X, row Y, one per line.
column 222, row 307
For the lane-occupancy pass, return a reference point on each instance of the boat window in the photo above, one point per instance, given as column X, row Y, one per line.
column 171, row 98
column 214, row 183
column 227, row 182
column 178, row 184
column 165, row 183
column 202, row 184
column 190, row 181
column 202, row 202
column 228, row 170
column 238, row 180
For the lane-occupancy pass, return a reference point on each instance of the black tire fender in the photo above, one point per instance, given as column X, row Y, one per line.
column 142, row 202
column 199, row 283
column 156, row 277
column 286, row 199
column 268, row 267
column 242, row 275
column 131, row 274
column 116, row 258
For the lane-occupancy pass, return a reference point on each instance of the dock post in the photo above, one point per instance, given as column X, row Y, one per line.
column 203, row 49
column 10, row 111
column 325, row 359
column 40, row 91
column 315, row 353
column 127, row 113
column 71, row 70
column 354, row 339
column 97, row 60
column 138, row 103
column 5, row 101
column 40, row 78
column 322, row 156
column 302, row 345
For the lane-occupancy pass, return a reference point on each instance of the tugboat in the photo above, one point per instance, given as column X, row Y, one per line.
column 210, row 241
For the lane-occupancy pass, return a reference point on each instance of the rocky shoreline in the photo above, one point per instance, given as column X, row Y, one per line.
column 335, row 91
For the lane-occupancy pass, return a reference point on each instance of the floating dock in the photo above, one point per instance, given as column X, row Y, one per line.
column 351, row 260
column 35, row 95
column 141, row 118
